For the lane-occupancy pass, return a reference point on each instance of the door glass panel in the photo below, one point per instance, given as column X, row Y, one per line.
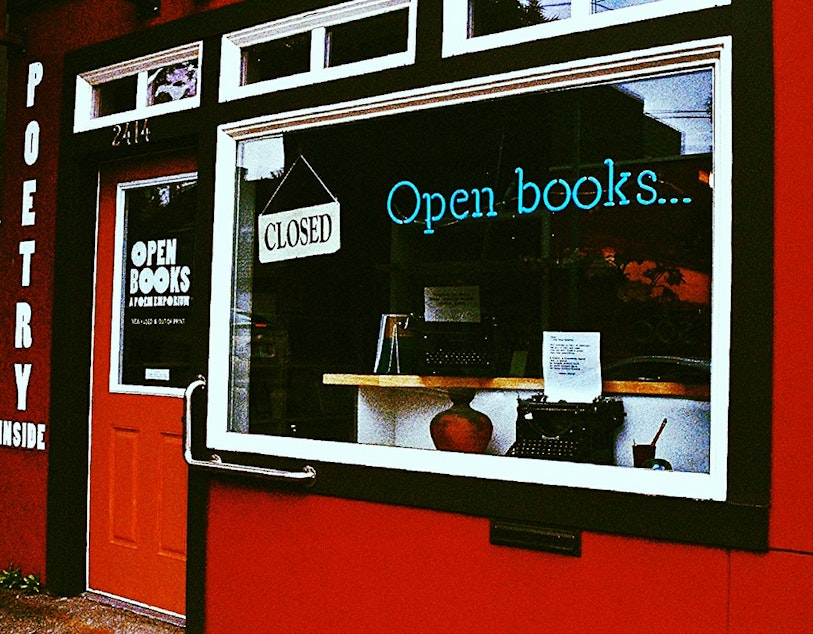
column 151, row 337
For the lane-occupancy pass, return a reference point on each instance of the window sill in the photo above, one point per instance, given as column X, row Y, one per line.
column 640, row 388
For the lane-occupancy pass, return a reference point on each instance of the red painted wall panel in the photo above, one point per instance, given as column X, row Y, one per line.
column 287, row 562
column 792, row 492
column 22, row 509
column 772, row 593
column 24, row 470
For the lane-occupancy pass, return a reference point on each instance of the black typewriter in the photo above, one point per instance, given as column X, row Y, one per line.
column 457, row 348
column 574, row 432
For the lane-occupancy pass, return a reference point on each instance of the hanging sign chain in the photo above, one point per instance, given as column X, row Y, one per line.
column 288, row 173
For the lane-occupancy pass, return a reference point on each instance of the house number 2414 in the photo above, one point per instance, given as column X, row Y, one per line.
column 131, row 133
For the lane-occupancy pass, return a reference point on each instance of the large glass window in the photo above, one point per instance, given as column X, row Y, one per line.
column 374, row 275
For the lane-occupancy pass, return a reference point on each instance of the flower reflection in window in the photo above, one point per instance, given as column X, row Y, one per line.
column 173, row 82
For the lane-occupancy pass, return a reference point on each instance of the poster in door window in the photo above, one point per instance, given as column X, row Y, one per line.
column 157, row 284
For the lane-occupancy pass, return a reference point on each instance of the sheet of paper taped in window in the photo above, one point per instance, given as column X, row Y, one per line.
column 571, row 363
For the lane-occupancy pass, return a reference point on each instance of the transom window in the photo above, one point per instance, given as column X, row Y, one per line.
column 472, row 25
column 148, row 86
column 347, row 39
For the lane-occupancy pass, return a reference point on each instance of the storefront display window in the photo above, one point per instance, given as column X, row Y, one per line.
column 150, row 338
column 348, row 39
column 367, row 278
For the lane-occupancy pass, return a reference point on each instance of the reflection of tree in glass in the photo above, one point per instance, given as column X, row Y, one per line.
column 495, row 16
column 663, row 278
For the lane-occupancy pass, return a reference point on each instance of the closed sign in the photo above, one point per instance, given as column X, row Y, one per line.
column 299, row 233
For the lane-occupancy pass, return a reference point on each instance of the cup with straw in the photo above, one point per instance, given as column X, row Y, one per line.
column 643, row 453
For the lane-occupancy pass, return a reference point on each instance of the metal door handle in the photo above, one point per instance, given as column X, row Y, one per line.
column 307, row 476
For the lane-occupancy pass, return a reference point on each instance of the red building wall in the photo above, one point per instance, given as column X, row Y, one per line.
column 792, row 494
column 298, row 561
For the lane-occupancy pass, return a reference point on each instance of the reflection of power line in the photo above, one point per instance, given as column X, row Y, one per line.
column 541, row 4
column 609, row 5
column 679, row 114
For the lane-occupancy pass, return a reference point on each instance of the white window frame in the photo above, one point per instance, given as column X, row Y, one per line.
column 456, row 40
column 84, row 116
column 315, row 22
column 714, row 54
column 119, row 282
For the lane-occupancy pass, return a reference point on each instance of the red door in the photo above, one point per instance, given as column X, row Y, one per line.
column 137, row 523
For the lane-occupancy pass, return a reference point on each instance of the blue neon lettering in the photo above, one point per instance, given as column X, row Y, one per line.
column 461, row 196
column 586, row 193
column 546, row 195
column 614, row 188
column 429, row 217
column 415, row 212
column 647, row 188
column 521, row 187
column 478, row 211
column 579, row 183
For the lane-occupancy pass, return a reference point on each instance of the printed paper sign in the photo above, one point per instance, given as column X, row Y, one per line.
column 571, row 366
column 452, row 303
column 299, row 233
column 156, row 374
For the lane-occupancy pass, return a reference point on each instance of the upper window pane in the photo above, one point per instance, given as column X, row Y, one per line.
column 277, row 58
column 476, row 25
column 173, row 82
column 365, row 39
column 495, row 16
column 115, row 96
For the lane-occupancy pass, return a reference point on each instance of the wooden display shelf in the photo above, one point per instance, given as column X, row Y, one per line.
column 640, row 388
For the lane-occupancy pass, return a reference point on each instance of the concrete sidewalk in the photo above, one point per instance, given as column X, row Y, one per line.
column 45, row 614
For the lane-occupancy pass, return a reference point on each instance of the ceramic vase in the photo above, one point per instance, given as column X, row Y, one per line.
column 461, row 428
